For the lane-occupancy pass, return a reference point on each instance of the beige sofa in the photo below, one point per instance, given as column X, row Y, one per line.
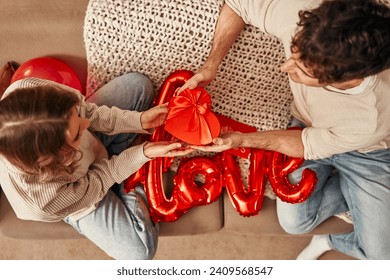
column 63, row 30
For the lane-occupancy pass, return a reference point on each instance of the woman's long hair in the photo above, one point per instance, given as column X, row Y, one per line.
column 33, row 125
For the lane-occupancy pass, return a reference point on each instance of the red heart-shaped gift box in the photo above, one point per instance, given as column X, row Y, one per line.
column 190, row 118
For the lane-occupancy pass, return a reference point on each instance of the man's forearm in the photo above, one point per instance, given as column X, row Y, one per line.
column 287, row 142
column 229, row 26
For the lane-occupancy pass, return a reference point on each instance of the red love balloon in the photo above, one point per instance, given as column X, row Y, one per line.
column 218, row 172
column 281, row 167
column 171, row 84
column 50, row 69
column 186, row 192
column 247, row 202
column 193, row 193
column 161, row 208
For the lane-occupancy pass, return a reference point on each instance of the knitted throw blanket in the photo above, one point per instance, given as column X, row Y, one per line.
column 158, row 37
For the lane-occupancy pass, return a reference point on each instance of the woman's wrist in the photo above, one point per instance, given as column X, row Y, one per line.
column 145, row 149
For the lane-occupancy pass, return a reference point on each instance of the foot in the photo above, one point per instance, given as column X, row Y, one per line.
column 318, row 245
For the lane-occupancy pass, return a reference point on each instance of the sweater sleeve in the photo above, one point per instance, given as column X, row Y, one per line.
column 275, row 17
column 62, row 197
column 325, row 142
column 252, row 12
column 111, row 120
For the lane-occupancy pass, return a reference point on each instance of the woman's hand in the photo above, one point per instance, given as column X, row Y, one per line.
column 227, row 141
column 155, row 116
column 165, row 149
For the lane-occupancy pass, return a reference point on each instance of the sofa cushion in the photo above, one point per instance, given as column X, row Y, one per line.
column 198, row 220
column 13, row 227
column 266, row 222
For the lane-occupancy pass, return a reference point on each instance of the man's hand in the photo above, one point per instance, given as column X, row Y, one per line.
column 202, row 78
column 229, row 26
column 227, row 141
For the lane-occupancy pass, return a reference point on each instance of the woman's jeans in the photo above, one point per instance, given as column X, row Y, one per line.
column 121, row 224
column 355, row 182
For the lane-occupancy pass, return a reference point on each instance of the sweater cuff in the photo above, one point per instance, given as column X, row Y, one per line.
column 128, row 162
column 138, row 124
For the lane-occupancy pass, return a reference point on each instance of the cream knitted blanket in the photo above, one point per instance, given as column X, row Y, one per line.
column 157, row 37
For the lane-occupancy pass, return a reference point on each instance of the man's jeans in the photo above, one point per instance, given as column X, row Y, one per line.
column 121, row 225
column 355, row 182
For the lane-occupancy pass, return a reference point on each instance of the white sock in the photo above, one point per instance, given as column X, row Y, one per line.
column 318, row 245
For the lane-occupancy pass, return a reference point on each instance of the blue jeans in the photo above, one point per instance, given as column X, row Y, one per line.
column 355, row 182
column 121, row 224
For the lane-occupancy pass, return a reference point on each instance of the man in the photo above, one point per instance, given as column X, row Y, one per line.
column 338, row 65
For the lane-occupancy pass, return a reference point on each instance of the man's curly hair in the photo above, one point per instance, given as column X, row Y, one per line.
column 343, row 40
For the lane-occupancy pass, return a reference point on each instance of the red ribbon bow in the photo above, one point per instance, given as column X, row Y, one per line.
column 190, row 118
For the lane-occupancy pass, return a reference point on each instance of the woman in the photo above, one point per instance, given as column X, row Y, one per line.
column 65, row 158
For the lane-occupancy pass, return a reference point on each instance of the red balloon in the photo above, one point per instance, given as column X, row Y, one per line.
column 247, row 202
column 281, row 167
column 186, row 193
column 195, row 194
column 50, row 69
column 172, row 84
column 161, row 208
